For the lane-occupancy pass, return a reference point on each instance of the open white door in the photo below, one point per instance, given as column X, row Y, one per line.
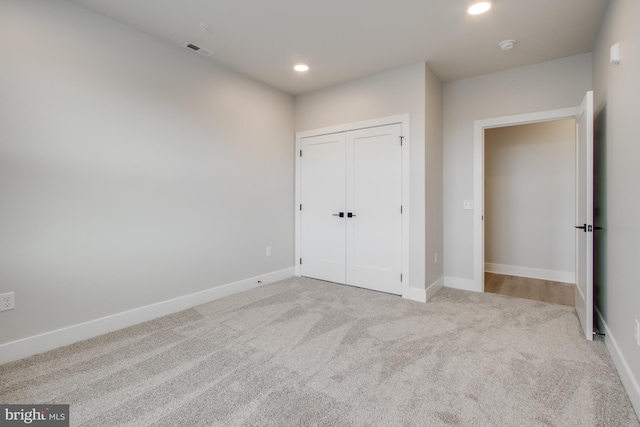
column 584, row 215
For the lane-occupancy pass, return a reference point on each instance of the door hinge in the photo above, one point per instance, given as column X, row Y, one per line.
column 401, row 277
column 300, row 153
column 300, row 261
column 300, row 206
column 400, row 208
column 401, row 139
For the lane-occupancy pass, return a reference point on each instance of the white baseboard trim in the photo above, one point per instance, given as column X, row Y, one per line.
column 462, row 284
column 533, row 273
column 629, row 381
column 434, row 288
column 25, row 347
column 419, row 295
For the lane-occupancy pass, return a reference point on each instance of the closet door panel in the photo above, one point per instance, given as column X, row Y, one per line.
column 374, row 198
column 322, row 232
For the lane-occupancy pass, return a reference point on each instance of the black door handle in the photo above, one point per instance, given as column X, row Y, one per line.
column 340, row 214
column 583, row 227
column 350, row 215
column 597, row 228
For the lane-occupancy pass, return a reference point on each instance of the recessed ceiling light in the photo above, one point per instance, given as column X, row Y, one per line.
column 301, row 67
column 478, row 7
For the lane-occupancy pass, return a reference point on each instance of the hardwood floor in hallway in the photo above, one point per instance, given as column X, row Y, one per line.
column 534, row 289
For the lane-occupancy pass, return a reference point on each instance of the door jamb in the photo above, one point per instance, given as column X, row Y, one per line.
column 402, row 119
column 479, row 127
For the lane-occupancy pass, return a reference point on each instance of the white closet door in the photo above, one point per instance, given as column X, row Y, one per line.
column 322, row 229
column 374, row 199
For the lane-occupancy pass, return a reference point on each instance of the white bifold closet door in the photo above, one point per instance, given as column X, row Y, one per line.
column 351, row 217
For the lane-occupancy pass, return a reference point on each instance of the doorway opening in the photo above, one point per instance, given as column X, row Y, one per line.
column 583, row 117
column 529, row 211
column 480, row 126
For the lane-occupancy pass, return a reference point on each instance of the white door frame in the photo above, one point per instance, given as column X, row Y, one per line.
column 479, row 127
column 403, row 119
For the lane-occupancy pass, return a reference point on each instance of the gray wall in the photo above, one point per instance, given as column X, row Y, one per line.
column 131, row 171
column 530, row 196
column 405, row 90
column 617, row 147
column 551, row 85
column 433, row 177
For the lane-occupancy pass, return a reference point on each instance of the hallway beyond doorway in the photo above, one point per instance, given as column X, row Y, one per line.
column 533, row 289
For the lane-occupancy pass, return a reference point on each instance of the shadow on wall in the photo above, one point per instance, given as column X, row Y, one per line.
column 600, row 209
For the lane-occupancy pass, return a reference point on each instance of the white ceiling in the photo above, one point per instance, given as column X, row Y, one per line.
column 346, row 39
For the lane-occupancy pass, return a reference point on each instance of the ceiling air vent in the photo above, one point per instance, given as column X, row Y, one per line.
column 201, row 50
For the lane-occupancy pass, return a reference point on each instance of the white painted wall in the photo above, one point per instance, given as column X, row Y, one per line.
column 404, row 90
column 131, row 171
column 530, row 198
column 617, row 148
column 551, row 85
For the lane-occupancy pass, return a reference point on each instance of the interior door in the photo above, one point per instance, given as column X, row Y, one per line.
column 322, row 227
column 374, row 217
column 584, row 215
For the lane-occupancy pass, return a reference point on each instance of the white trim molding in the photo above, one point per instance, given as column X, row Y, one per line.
column 462, row 284
column 479, row 127
column 403, row 120
column 419, row 295
column 424, row 295
column 25, row 347
column 533, row 273
column 434, row 288
column 629, row 381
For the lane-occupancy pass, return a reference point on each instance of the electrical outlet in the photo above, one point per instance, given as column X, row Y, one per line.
column 637, row 332
column 268, row 250
column 7, row 301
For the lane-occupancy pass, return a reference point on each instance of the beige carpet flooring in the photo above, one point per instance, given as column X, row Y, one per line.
column 309, row 353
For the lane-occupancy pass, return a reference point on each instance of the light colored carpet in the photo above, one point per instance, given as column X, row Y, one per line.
column 303, row 352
